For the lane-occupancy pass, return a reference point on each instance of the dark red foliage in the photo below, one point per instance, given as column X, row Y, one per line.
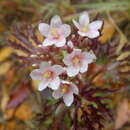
column 19, row 95
column 92, row 117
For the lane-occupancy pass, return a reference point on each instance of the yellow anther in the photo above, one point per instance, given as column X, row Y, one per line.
column 64, row 88
column 54, row 33
column 47, row 74
column 75, row 60
column 84, row 28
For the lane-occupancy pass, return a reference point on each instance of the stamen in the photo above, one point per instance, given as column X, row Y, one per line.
column 54, row 33
column 76, row 60
column 84, row 28
column 47, row 74
column 64, row 88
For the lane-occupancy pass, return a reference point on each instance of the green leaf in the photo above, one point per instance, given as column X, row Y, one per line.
column 51, row 100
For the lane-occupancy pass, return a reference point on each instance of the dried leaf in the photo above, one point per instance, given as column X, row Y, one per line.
column 39, row 36
column 123, row 56
column 20, row 53
column 65, row 11
column 8, row 114
column 94, row 68
column 107, row 32
column 11, row 125
column 1, row 127
column 4, row 101
column 24, row 112
column 5, row 52
column 123, row 114
column 10, row 77
column 98, row 80
column 125, row 69
column 122, row 43
column 6, row 67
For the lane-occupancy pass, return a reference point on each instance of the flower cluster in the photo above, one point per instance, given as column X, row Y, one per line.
column 74, row 62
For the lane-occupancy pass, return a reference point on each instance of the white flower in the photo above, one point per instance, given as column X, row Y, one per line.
column 48, row 76
column 55, row 33
column 87, row 29
column 66, row 90
column 78, row 61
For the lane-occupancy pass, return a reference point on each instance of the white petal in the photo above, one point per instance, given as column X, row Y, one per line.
column 83, row 34
column 74, row 88
column 56, row 21
column 96, row 25
column 60, row 43
column 44, row 65
column 77, row 50
column 65, row 28
column 67, row 60
column 57, row 94
column 70, row 44
column 42, row 85
column 58, row 69
column 84, row 67
column 72, row 71
column 54, row 84
column 36, row 74
column 89, row 57
column 44, row 29
column 68, row 98
column 48, row 42
column 65, row 82
column 76, row 23
column 92, row 34
column 84, row 18
column 93, row 56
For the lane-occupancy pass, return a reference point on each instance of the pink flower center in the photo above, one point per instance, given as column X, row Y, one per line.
column 76, row 60
column 64, row 88
column 84, row 28
column 55, row 33
column 47, row 74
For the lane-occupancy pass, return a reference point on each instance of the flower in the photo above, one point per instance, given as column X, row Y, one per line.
column 66, row 90
column 48, row 76
column 78, row 61
column 87, row 29
column 55, row 33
